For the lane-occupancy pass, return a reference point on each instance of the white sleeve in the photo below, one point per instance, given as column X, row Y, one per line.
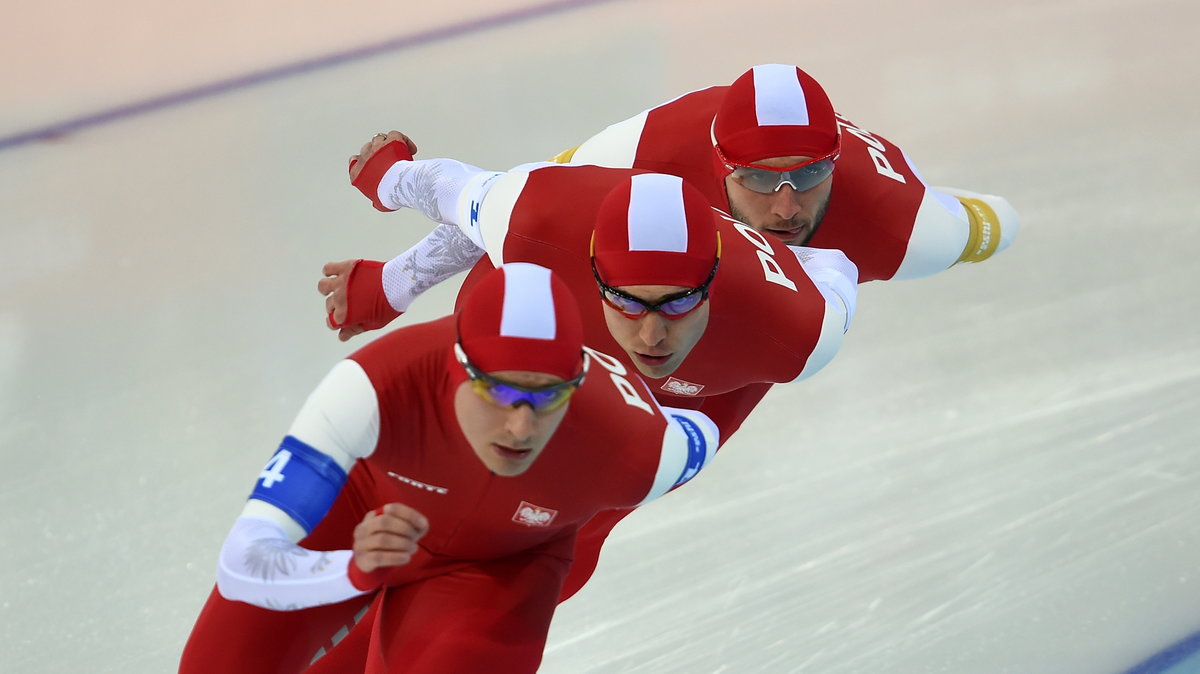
column 689, row 442
column 952, row 226
column 259, row 565
column 260, row 562
column 486, row 204
column 836, row 277
column 340, row 418
column 443, row 253
column 486, row 207
column 437, row 188
column 431, row 186
column 616, row 146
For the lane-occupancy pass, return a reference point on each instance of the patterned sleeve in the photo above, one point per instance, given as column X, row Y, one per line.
column 260, row 562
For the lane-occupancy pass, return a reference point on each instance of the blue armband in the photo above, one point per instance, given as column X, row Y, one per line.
column 697, row 449
column 301, row 481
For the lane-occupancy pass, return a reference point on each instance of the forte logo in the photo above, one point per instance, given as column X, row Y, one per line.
column 419, row 485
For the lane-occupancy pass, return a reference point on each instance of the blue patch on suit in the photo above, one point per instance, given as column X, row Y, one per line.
column 301, row 481
column 697, row 449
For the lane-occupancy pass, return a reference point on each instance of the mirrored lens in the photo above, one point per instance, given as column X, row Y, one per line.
column 682, row 305
column 672, row 309
column 801, row 179
column 625, row 305
column 508, row 396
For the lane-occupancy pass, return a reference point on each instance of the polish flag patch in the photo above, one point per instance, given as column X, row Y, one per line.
column 680, row 387
column 533, row 515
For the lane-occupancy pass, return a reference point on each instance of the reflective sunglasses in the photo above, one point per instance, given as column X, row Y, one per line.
column 672, row 308
column 767, row 179
column 801, row 179
column 507, row 394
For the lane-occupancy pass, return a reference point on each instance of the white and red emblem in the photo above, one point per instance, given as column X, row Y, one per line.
column 534, row 516
column 680, row 387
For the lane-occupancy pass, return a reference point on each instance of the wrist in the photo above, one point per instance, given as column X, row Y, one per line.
column 377, row 179
column 366, row 581
column 367, row 304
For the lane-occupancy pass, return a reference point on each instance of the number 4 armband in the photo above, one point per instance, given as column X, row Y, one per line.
column 300, row 480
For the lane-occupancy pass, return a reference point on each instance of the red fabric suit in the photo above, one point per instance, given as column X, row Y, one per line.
column 488, row 571
column 769, row 323
column 881, row 214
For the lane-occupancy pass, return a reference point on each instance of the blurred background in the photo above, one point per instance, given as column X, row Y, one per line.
column 998, row 473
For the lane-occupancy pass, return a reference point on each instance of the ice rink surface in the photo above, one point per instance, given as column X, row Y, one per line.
column 999, row 473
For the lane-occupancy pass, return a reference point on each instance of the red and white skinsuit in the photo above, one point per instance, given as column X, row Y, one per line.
column 479, row 594
column 881, row 213
column 778, row 313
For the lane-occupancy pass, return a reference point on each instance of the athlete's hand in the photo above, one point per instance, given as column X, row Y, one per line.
column 333, row 287
column 372, row 146
column 387, row 537
column 354, row 298
column 369, row 167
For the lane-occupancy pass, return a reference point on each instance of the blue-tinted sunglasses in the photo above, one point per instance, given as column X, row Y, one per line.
column 672, row 308
column 507, row 394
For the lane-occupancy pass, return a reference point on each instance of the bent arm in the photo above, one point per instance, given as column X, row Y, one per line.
column 261, row 565
column 690, row 441
column 836, row 278
column 484, row 204
column 260, row 562
column 834, row 275
column 446, row 191
column 444, row 252
column 441, row 189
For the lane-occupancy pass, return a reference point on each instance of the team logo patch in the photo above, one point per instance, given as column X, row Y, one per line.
column 680, row 387
column 534, row 516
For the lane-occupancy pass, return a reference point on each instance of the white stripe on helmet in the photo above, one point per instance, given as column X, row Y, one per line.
column 778, row 97
column 528, row 309
column 656, row 214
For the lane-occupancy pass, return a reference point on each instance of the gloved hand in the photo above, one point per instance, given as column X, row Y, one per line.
column 368, row 167
column 354, row 297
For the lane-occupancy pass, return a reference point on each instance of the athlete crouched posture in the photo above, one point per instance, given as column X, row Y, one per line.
column 436, row 478
column 771, row 151
column 710, row 311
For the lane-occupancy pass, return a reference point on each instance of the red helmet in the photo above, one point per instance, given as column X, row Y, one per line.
column 655, row 229
column 521, row 316
column 774, row 110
